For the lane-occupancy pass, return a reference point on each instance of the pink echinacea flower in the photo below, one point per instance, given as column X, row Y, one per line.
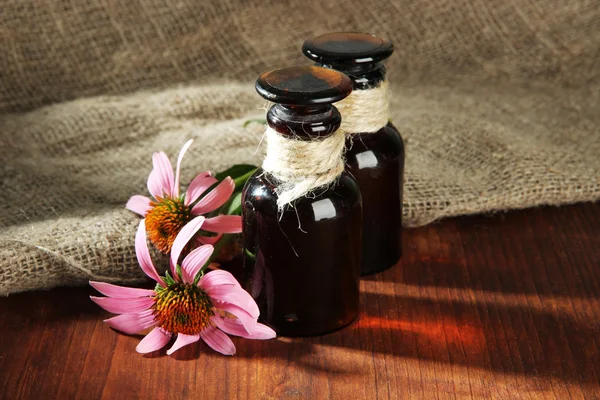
column 169, row 212
column 186, row 304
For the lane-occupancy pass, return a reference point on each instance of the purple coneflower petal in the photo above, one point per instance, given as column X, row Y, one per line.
column 216, row 278
column 139, row 204
column 132, row 323
column 155, row 186
column 185, row 148
column 223, row 224
column 234, row 327
column 182, row 340
column 199, row 185
column 123, row 306
column 164, row 172
column 143, row 255
column 247, row 320
column 216, row 198
column 121, row 292
column 218, row 341
column 193, row 262
column 208, row 239
column 183, row 237
column 232, row 295
column 155, row 340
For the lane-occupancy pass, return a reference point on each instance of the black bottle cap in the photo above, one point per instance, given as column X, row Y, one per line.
column 304, row 85
column 347, row 48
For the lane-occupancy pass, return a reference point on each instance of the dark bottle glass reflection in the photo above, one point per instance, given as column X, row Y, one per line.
column 302, row 265
column 375, row 160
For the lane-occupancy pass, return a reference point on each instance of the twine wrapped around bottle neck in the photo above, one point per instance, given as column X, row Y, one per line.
column 365, row 111
column 302, row 165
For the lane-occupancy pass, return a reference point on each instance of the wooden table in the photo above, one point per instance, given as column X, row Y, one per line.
column 504, row 307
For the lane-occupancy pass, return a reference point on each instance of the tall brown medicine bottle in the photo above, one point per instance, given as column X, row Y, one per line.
column 375, row 149
column 302, row 259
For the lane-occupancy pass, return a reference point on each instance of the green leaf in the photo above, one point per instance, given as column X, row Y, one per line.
column 235, row 205
column 250, row 254
column 240, row 181
column 235, row 172
column 240, row 174
column 261, row 121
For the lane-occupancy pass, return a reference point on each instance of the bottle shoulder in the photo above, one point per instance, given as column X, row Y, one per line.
column 373, row 149
column 391, row 130
column 342, row 195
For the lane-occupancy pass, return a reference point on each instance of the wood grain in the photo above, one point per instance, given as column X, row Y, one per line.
column 503, row 307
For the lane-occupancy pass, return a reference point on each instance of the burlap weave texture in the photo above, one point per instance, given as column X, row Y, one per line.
column 498, row 101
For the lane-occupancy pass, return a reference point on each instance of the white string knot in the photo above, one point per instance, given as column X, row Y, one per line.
column 302, row 165
column 366, row 110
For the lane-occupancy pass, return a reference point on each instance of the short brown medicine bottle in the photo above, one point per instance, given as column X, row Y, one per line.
column 375, row 149
column 301, row 212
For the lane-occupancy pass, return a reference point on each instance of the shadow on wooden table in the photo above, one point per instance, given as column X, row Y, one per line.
column 504, row 333
column 519, row 339
column 490, row 334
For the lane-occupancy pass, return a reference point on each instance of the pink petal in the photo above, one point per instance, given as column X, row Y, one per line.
column 132, row 323
column 155, row 186
column 121, row 292
column 262, row 332
column 234, row 327
column 247, row 320
column 193, row 262
column 199, row 185
column 178, row 168
column 123, row 306
column 216, row 198
column 218, row 341
column 182, row 340
column 183, row 237
column 164, row 171
column 209, row 239
column 233, row 295
column 223, row 224
column 139, row 204
column 143, row 255
column 215, row 278
column 155, row 340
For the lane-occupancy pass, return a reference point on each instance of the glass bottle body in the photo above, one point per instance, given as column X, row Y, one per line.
column 376, row 161
column 302, row 265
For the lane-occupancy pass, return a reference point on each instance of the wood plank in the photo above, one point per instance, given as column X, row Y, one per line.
column 504, row 307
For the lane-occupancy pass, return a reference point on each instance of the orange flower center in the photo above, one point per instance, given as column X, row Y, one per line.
column 164, row 221
column 182, row 308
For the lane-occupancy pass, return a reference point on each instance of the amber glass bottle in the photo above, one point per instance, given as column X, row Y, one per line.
column 302, row 261
column 375, row 159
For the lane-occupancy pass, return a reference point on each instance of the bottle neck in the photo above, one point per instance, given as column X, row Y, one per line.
column 364, row 76
column 366, row 109
column 304, row 149
column 304, row 122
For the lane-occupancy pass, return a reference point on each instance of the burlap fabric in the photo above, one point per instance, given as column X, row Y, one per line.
column 497, row 100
